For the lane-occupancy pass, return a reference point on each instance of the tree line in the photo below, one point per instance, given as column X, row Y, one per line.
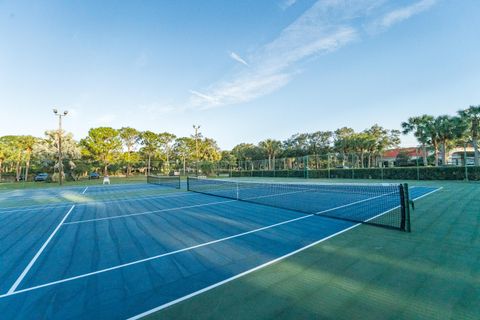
column 128, row 150
column 105, row 149
column 436, row 136
column 444, row 132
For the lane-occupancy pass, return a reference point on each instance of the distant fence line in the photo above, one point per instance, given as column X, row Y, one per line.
column 353, row 166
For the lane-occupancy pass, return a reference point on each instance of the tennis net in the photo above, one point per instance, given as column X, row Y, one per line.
column 167, row 181
column 384, row 205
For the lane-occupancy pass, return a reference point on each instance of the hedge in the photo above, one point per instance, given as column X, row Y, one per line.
column 404, row 173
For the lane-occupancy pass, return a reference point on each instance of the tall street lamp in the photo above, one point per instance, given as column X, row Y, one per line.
column 60, row 163
column 197, row 156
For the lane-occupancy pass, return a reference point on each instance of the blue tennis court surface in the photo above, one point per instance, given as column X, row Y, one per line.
column 122, row 256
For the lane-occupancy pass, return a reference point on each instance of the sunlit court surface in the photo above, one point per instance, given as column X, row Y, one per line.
column 123, row 251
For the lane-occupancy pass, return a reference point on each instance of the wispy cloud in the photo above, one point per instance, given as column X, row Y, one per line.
column 401, row 14
column 237, row 58
column 285, row 4
column 324, row 28
column 204, row 97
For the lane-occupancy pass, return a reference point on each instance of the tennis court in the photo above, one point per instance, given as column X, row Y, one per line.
column 123, row 251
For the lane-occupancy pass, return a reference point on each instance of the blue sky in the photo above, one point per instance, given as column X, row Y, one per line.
column 243, row 70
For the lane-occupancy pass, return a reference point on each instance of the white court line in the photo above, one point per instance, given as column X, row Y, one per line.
column 150, row 212
column 179, row 208
column 132, row 199
column 155, row 257
column 86, row 188
column 39, row 252
column 429, row 193
column 11, row 292
column 188, row 296
column 193, row 294
column 202, row 245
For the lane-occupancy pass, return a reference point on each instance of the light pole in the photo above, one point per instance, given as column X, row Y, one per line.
column 60, row 164
column 196, row 127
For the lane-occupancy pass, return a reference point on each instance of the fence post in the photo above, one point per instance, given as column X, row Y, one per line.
column 418, row 168
column 381, row 166
column 305, row 166
column 328, row 164
column 353, row 167
column 465, row 161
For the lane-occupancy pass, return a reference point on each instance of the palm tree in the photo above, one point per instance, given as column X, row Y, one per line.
column 448, row 128
column 271, row 148
column 421, row 127
column 472, row 117
column 27, row 144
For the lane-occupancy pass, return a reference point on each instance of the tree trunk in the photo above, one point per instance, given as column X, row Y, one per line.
column 27, row 166
column 476, row 153
column 17, row 172
column 18, row 168
column 435, row 147
column 444, row 152
column 148, row 166
column 184, row 166
column 105, row 170
column 424, row 150
column 168, row 163
column 128, row 162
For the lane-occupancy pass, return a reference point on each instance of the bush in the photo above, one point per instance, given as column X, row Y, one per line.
column 403, row 173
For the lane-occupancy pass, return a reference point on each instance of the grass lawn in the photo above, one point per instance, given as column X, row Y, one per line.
column 368, row 272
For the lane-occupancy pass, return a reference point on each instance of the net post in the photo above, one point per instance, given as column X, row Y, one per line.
column 407, row 207
column 188, row 183
column 402, row 207
column 237, row 190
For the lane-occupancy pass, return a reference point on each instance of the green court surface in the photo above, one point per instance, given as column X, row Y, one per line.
column 367, row 272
